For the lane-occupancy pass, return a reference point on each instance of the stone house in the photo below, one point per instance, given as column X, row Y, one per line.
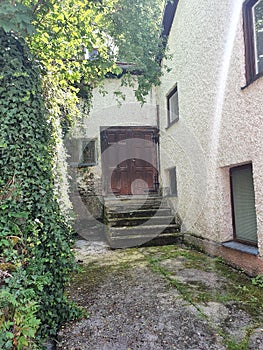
column 198, row 139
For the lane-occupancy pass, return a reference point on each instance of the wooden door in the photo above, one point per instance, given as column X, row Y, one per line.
column 129, row 160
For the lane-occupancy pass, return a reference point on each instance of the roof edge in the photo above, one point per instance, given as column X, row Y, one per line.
column 168, row 17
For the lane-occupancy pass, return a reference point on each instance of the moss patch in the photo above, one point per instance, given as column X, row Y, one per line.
column 237, row 288
column 241, row 301
column 97, row 269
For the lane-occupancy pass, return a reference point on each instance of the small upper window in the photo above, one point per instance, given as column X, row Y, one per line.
column 253, row 33
column 173, row 106
column 82, row 152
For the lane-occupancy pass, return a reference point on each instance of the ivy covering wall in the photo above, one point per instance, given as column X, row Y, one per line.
column 38, row 99
column 35, row 241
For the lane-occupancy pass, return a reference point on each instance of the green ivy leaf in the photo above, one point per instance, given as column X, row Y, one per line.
column 16, row 18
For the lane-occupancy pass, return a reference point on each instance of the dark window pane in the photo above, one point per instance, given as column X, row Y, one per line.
column 173, row 106
column 88, row 156
column 173, row 181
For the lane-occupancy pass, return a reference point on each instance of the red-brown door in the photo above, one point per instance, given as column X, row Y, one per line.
column 129, row 160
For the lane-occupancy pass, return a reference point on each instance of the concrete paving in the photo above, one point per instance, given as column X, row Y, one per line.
column 168, row 297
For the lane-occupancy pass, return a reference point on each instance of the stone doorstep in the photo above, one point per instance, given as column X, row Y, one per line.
column 136, row 203
column 146, row 240
column 139, row 213
column 129, row 198
column 134, row 221
column 148, row 236
column 241, row 247
column 143, row 230
column 135, row 206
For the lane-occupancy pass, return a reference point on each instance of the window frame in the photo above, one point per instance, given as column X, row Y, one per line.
column 84, row 143
column 248, row 28
column 236, row 238
column 173, row 190
column 168, row 99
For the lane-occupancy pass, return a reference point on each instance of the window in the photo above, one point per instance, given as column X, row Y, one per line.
column 173, row 106
column 253, row 34
column 88, row 153
column 82, row 152
column 173, row 182
column 243, row 204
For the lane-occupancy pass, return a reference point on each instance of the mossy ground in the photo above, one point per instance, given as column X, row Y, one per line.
column 185, row 271
column 238, row 287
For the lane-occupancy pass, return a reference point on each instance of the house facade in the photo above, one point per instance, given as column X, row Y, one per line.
column 198, row 140
column 211, row 122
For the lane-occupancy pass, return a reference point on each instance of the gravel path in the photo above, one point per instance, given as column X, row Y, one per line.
column 131, row 306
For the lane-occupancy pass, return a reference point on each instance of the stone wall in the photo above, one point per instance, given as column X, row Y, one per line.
column 89, row 188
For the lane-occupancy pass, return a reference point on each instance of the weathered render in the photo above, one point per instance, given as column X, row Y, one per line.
column 219, row 126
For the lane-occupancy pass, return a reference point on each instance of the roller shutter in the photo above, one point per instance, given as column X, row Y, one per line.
column 243, row 202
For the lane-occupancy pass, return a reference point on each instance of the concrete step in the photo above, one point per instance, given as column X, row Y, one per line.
column 133, row 204
column 142, row 230
column 148, row 240
column 135, row 198
column 139, row 213
column 135, row 221
column 165, row 239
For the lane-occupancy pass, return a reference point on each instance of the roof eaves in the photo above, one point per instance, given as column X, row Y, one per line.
column 168, row 17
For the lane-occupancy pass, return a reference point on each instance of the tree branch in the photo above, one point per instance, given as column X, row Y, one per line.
column 35, row 7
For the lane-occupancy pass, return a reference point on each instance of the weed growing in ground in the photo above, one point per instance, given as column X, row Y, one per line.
column 257, row 281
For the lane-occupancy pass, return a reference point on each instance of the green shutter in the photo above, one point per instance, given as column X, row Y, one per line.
column 243, row 201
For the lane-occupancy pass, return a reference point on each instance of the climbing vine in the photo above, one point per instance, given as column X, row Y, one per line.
column 30, row 222
column 51, row 54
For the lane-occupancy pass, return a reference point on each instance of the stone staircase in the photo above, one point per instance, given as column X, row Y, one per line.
column 135, row 221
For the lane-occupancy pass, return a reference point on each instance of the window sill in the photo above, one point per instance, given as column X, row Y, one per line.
column 256, row 77
column 172, row 123
column 86, row 165
column 244, row 248
column 81, row 165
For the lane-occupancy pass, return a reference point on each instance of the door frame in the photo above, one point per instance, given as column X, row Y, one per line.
column 153, row 129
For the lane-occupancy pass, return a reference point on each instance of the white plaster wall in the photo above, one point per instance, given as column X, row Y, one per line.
column 107, row 111
column 220, row 125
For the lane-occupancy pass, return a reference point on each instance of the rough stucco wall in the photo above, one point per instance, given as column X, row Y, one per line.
column 220, row 125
